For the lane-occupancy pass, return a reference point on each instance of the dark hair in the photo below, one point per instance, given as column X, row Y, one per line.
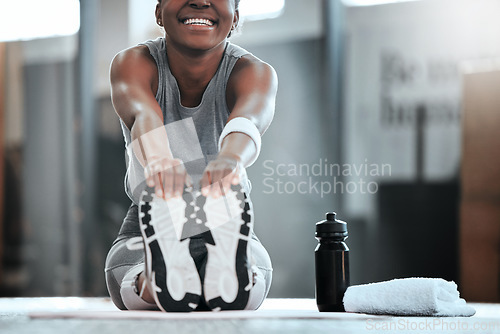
column 236, row 3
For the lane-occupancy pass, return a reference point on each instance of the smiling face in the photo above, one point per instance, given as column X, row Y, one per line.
column 197, row 24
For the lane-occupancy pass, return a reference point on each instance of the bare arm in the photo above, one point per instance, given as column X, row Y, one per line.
column 133, row 86
column 251, row 94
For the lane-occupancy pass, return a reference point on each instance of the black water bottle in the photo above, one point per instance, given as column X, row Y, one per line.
column 332, row 264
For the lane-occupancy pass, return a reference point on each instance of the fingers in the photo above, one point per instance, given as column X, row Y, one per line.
column 179, row 180
column 167, row 177
column 236, row 176
column 205, row 183
column 150, row 172
column 226, row 180
column 218, row 177
column 189, row 180
column 159, row 182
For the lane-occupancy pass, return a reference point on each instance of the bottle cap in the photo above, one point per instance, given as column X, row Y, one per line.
column 331, row 227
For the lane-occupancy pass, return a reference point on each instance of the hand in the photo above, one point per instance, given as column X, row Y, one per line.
column 167, row 177
column 219, row 175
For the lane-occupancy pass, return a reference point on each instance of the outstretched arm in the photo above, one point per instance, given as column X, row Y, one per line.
column 133, row 88
column 251, row 94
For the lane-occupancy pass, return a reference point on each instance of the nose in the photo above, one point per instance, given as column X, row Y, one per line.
column 198, row 4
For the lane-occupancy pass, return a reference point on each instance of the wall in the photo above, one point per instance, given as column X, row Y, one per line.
column 285, row 217
column 400, row 56
column 403, row 110
column 47, row 179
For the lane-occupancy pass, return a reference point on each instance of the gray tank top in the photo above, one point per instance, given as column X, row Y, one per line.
column 193, row 133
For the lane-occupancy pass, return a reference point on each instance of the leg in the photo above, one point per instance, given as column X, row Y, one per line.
column 125, row 275
column 159, row 228
column 262, row 274
column 123, row 266
column 142, row 286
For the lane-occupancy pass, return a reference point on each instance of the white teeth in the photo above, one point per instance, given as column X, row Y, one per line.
column 199, row 21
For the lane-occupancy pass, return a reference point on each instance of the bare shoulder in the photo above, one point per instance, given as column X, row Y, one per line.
column 251, row 91
column 251, row 77
column 134, row 81
column 250, row 66
column 135, row 62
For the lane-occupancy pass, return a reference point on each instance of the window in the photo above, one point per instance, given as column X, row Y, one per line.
column 31, row 19
column 252, row 10
column 370, row 2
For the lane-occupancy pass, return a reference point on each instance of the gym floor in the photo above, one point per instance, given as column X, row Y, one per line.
column 98, row 315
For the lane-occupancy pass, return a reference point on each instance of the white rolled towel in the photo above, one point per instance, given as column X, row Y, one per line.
column 408, row 296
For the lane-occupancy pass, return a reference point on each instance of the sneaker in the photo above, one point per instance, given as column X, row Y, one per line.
column 174, row 280
column 228, row 274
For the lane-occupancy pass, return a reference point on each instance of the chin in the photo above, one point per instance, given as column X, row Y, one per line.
column 203, row 44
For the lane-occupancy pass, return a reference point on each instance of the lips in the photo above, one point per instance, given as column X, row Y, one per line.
column 198, row 21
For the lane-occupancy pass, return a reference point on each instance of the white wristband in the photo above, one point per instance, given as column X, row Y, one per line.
column 246, row 126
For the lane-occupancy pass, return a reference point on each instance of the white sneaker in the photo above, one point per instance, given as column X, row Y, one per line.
column 228, row 275
column 170, row 269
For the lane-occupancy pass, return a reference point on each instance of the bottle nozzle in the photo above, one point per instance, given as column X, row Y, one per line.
column 331, row 226
column 332, row 216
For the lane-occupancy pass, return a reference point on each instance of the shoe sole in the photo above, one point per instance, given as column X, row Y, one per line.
column 172, row 275
column 228, row 275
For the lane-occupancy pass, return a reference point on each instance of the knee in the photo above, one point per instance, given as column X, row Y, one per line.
column 118, row 261
column 114, row 289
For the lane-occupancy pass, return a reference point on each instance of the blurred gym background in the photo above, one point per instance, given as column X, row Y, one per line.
column 387, row 113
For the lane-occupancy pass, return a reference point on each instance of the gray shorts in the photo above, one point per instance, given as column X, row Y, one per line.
column 120, row 261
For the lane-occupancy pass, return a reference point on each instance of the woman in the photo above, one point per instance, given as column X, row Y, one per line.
column 194, row 95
